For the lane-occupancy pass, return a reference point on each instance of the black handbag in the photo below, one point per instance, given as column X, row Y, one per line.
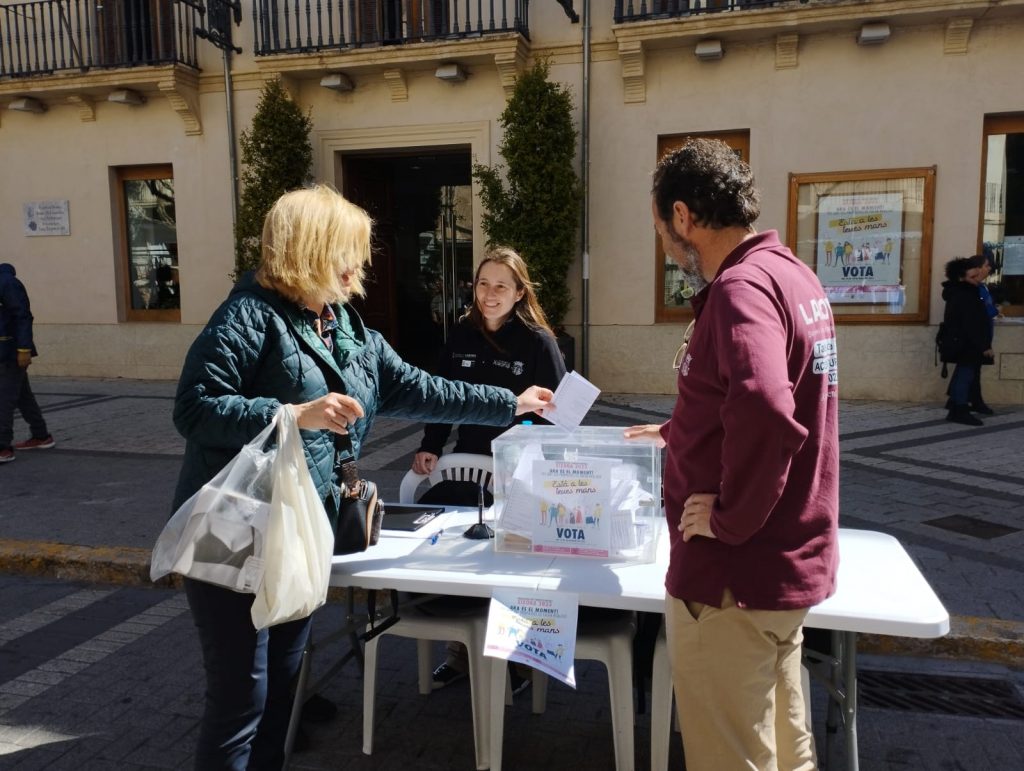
column 360, row 509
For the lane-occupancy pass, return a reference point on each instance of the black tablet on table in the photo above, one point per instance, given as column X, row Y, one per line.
column 409, row 516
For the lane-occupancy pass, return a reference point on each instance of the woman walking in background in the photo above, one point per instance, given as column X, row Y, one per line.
column 967, row 335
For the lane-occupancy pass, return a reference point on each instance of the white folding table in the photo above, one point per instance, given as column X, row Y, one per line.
column 880, row 590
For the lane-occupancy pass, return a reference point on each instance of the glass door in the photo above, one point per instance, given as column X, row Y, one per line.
column 1002, row 210
column 421, row 278
column 446, row 257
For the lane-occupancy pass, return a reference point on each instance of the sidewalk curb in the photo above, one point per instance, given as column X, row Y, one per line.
column 123, row 565
column 990, row 640
column 972, row 638
column 117, row 565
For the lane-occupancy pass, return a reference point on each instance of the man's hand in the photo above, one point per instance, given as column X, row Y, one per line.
column 534, row 399
column 24, row 359
column 650, row 431
column 334, row 412
column 697, row 516
column 424, row 462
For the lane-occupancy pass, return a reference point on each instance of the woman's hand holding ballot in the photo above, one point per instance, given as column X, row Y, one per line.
column 535, row 399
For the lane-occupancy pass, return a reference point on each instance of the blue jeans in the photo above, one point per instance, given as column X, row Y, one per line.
column 960, row 384
column 249, row 681
column 15, row 392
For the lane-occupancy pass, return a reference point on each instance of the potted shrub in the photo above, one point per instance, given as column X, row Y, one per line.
column 277, row 157
column 532, row 201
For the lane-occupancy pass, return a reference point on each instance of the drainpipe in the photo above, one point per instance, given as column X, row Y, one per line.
column 232, row 155
column 585, row 181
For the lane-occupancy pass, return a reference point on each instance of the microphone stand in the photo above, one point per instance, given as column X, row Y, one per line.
column 479, row 531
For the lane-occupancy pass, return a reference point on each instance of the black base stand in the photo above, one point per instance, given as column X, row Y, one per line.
column 479, row 531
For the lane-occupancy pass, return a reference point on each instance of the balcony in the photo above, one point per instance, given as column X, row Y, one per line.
column 43, row 37
column 639, row 10
column 291, row 26
column 301, row 39
column 78, row 52
column 709, row 27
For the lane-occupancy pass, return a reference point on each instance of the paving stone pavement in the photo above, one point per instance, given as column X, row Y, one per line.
column 101, row 676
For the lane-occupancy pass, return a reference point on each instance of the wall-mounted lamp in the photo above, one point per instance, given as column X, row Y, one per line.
column 126, row 96
column 337, row 81
column 709, row 50
column 873, row 33
column 27, row 104
column 451, row 72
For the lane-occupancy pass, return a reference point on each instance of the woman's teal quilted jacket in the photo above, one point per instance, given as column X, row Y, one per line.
column 258, row 352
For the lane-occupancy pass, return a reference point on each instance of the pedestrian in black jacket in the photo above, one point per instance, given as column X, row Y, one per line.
column 967, row 335
column 16, row 352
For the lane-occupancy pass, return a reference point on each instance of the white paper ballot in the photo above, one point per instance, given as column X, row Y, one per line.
column 573, row 399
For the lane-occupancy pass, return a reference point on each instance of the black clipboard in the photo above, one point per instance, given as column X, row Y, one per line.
column 409, row 516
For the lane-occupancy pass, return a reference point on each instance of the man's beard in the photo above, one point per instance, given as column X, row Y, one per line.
column 689, row 262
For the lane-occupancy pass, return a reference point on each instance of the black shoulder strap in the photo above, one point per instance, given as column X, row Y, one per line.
column 345, row 462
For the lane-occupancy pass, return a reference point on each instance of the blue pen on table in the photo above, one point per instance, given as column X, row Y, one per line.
column 435, row 536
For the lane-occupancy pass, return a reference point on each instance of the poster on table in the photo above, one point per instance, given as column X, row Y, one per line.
column 859, row 242
column 534, row 628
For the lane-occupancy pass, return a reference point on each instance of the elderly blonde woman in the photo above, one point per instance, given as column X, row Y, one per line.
column 285, row 335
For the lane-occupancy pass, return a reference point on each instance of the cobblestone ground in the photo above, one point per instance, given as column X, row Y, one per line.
column 109, row 677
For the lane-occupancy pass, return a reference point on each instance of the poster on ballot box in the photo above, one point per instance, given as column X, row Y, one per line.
column 571, row 499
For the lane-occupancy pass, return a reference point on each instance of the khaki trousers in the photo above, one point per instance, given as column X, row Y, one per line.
column 736, row 676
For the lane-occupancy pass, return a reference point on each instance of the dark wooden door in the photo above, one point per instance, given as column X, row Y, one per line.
column 367, row 186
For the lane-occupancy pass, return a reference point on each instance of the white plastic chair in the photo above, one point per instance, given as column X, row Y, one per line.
column 457, row 466
column 469, row 630
column 662, row 703
column 608, row 639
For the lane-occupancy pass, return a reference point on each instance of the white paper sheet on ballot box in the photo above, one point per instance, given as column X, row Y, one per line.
column 534, row 628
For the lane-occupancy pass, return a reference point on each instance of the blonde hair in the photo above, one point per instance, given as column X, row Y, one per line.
column 527, row 309
column 311, row 237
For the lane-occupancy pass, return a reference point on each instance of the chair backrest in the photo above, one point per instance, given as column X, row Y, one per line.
column 456, row 466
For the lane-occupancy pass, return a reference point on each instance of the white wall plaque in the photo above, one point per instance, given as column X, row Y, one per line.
column 47, row 218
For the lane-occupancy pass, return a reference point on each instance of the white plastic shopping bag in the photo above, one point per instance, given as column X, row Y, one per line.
column 257, row 527
column 217, row 535
column 299, row 542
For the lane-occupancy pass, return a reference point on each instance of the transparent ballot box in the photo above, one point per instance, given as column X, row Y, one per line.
column 586, row 493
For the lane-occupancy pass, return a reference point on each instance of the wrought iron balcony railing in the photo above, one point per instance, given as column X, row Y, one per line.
column 42, row 37
column 641, row 10
column 296, row 26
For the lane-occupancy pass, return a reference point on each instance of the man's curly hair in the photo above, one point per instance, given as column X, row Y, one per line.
column 713, row 182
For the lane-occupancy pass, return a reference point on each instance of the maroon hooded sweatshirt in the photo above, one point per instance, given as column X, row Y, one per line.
column 757, row 423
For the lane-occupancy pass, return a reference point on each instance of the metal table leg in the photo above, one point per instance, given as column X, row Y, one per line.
column 357, row 631
column 837, row 671
column 849, row 666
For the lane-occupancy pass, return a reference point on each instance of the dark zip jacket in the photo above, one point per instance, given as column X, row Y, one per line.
column 967, row 330
column 15, row 316
column 526, row 357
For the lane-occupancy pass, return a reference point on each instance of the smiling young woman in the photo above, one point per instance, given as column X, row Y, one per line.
column 503, row 339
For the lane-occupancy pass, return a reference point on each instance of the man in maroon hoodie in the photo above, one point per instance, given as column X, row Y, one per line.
column 752, row 472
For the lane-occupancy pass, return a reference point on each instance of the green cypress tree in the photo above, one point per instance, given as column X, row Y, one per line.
column 276, row 157
column 537, row 212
